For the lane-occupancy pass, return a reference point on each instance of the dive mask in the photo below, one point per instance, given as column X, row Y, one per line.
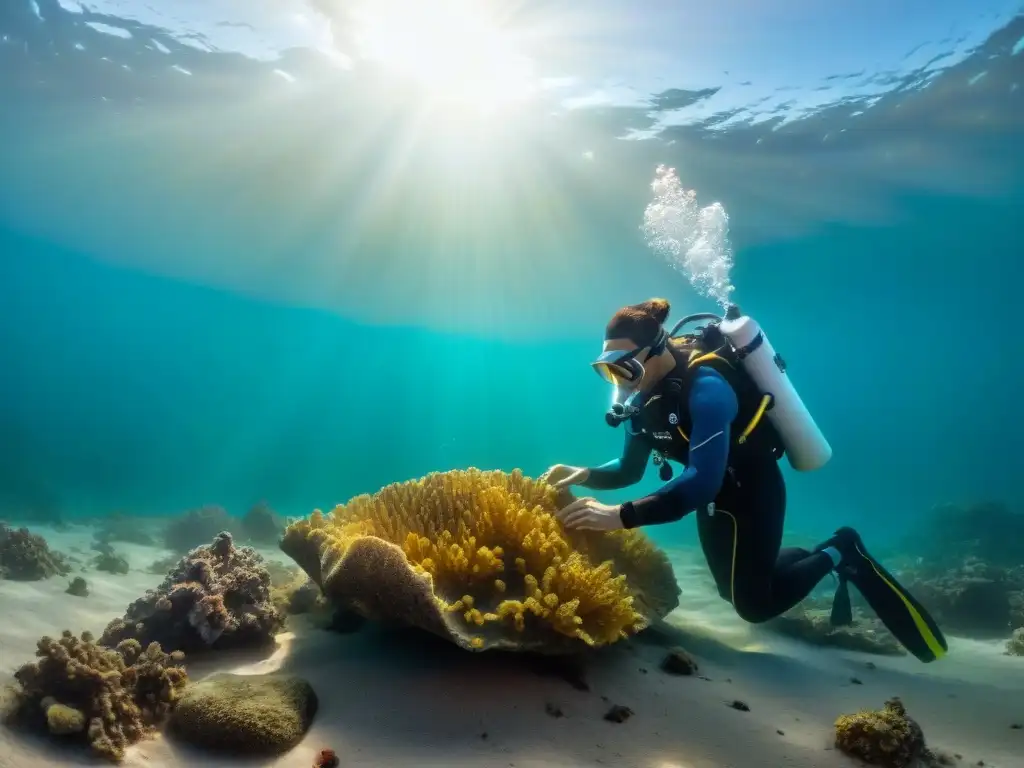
column 620, row 367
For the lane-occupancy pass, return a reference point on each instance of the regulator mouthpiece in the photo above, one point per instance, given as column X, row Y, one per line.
column 619, row 413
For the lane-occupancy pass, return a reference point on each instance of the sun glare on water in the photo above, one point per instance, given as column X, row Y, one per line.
column 456, row 50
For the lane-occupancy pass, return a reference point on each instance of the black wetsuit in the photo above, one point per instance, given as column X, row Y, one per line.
column 738, row 491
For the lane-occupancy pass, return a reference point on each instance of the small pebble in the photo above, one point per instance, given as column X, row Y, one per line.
column 326, row 758
column 856, row 681
column 483, row 735
column 1017, row 726
column 554, row 710
column 644, row 670
column 741, row 706
column 780, row 732
column 618, row 714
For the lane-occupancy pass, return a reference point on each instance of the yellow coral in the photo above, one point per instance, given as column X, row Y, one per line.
column 886, row 737
column 494, row 553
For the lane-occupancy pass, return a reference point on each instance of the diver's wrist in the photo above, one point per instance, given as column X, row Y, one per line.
column 628, row 516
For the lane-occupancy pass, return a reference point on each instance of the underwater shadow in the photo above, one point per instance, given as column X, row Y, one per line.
column 391, row 685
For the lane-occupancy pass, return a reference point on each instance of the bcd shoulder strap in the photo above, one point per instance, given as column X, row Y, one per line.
column 723, row 360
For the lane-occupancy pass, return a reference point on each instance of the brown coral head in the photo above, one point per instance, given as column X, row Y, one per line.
column 200, row 572
column 222, row 544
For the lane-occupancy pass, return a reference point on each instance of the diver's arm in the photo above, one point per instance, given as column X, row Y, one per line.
column 622, row 472
column 713, row 407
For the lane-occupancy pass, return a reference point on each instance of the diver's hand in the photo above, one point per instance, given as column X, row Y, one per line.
column 562, row 476
column 590, row 515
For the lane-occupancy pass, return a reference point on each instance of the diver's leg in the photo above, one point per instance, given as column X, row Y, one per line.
column 906, row 618
column 717, row 533
column 741, row 548
column 789, row 555
column 769, row 581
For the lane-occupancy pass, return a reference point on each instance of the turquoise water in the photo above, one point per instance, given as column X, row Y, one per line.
column 242, row 260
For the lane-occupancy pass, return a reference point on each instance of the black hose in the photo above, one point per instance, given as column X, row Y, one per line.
column 692, row 319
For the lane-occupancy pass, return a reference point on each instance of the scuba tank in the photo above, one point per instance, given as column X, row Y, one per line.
column 804, row 444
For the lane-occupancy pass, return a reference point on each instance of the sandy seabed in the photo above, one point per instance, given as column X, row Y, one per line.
column 400, row 700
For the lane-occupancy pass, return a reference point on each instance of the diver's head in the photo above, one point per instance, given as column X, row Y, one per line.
column 635, row 354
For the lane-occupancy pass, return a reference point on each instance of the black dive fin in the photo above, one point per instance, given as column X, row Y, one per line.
column 902, row 615
column 842, row 611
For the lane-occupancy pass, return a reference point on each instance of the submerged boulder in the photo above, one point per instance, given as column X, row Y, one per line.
column 263, row 715
column 812, row 624
column 25, row 556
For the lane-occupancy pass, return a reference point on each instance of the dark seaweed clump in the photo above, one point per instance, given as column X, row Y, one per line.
column 218, row 597
column 26, row 556
column 196, row 527
column 111, row 562
column 106, row 698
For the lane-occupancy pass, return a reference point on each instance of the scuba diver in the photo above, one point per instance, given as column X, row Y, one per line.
column 719, row 402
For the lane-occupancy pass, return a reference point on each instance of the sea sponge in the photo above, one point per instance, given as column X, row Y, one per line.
column 479, row 558
column 25, row 556
column 886, row 737
column 109, row 698
column 217, row 597
column 245, row 714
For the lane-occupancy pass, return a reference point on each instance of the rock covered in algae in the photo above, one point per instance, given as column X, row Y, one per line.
column 25, row 556
column 107, row 698
column 245, row 714
column 812, row 625
column 886, row 737
column 218, row 596
column 479, row 558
